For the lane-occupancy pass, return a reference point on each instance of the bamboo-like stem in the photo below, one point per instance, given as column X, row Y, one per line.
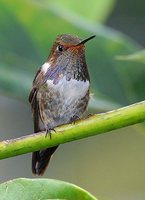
column 93, row 125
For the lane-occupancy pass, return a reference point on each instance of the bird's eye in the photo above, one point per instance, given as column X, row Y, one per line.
column 60, row 48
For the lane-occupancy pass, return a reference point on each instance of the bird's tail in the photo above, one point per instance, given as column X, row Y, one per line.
column 40, row 160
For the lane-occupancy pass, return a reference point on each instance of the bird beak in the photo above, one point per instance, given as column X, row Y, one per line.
column 86, row 40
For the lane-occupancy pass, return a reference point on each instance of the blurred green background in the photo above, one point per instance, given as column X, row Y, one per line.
column 112, row 165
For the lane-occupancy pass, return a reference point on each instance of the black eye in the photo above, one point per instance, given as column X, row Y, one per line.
column 60, row 48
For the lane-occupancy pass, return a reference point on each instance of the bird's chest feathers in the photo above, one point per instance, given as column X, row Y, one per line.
column 66, row 89
column 69, row 90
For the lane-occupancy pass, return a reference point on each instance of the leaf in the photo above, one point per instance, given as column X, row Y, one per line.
column 135, row 57
column 28, row 28
column 99, row 12
column 41, row 189
column 21, row 81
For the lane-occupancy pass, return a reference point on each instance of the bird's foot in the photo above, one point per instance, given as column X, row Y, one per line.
column 49, row 131
column 89, row 115
column 74, row 119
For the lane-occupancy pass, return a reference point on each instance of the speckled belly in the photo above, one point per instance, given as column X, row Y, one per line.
column 59, row 103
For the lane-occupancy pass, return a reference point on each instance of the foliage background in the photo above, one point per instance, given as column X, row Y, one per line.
column 110, row 166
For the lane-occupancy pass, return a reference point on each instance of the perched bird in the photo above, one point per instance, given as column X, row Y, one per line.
column 60, row 92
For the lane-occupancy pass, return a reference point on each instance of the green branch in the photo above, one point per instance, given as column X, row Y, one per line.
column 93, row 125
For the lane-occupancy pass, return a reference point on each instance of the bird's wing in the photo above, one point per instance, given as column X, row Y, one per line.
column 37, row 83
column 40, row 159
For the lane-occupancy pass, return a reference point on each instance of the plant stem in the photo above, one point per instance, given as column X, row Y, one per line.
column 93, row 125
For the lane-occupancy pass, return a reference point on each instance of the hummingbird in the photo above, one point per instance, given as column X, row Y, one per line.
column 60, row 92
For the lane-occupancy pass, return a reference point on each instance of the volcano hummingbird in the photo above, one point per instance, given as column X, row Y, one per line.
column 60, row 91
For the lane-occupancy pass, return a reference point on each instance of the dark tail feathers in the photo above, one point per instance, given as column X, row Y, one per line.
column 40, row 160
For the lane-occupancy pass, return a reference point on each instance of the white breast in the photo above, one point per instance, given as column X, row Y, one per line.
column 70, row 90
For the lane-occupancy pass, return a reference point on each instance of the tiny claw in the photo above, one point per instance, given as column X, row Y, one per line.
column 74, row 118
column 49, row 131
column 89, row 115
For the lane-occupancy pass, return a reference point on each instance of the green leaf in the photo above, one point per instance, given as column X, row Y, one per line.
column 42, row 189
column 100, row 9
column 135, row 57
column 28, row 29
column 14, row 81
